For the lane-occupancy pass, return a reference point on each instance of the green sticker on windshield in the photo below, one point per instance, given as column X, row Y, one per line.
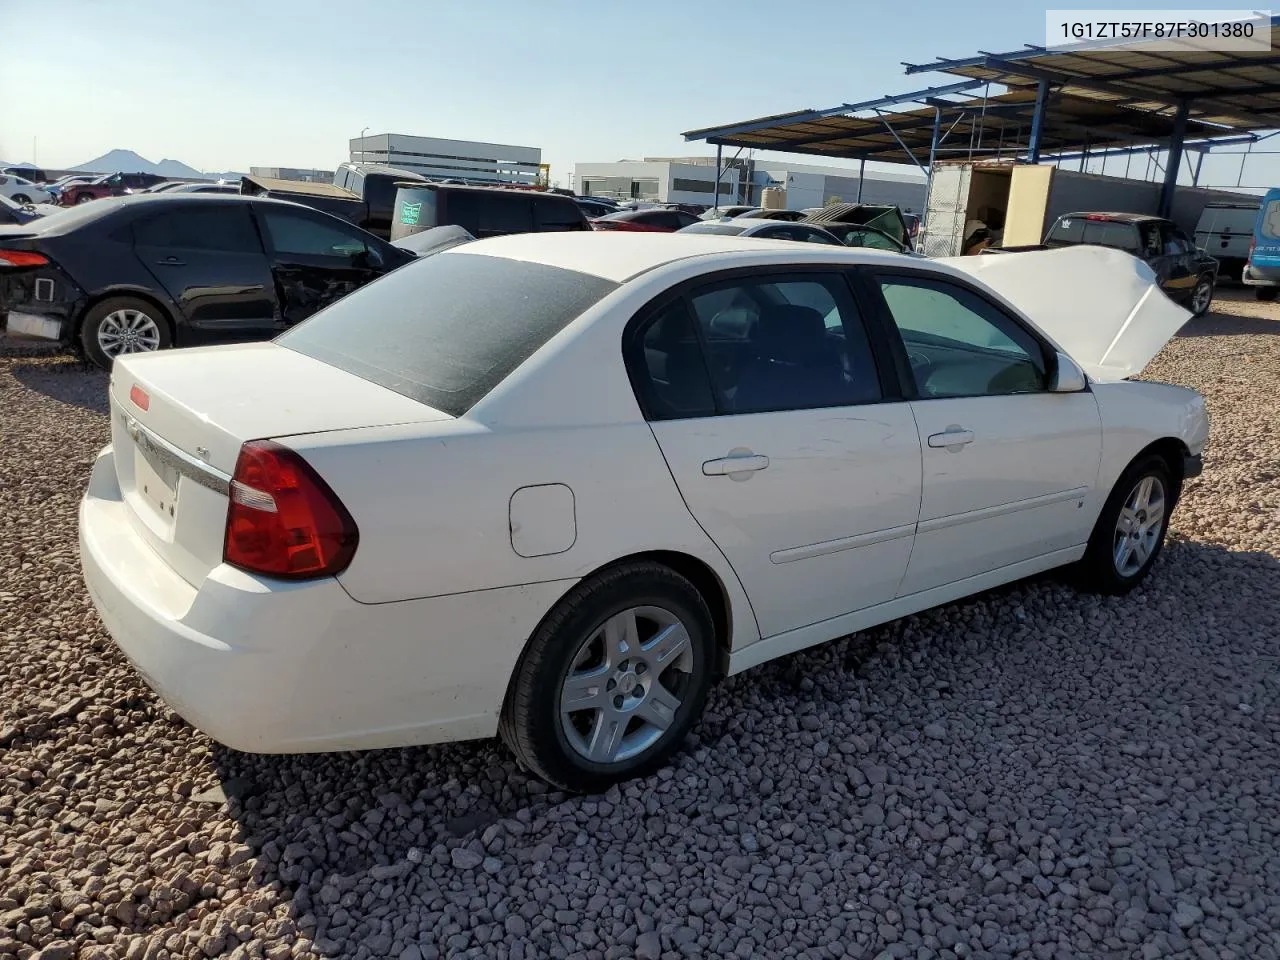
column 410, row 212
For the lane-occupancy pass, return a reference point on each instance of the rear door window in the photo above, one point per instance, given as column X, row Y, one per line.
column 447, row 329
column 222, row 227
column 490, row 214
column 296, row 234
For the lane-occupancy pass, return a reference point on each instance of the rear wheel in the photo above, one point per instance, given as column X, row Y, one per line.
column 1264, row 293
column 1202, row 296
column 21, row 198
column 122, row 325
column 1131, row 529
column 84, row 198
column 612, row 680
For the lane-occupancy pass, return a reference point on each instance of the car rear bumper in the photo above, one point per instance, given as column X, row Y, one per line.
column 1256, row 276
column 274, row 667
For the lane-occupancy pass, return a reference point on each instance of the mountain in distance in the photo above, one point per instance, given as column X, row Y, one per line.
column 126, row 161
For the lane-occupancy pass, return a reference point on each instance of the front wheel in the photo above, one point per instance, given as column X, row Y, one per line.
column 121, row 325
column 612, row 680
column 84, row 198
column 1131, row 529
column 21, row 199
column 1202, row 297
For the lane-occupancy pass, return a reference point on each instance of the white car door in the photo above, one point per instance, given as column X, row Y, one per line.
column 1008, row 467
column 767, row 400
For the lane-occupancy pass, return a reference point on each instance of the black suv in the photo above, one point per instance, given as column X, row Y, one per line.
column 483, row 211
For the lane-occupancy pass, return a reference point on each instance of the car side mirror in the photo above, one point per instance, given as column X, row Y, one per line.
column 1067, row 376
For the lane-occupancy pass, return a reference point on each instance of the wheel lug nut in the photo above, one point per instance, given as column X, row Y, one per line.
column 617, row 702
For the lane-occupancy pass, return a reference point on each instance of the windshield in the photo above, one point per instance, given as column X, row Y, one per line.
column 723, row 229
column 448, row 329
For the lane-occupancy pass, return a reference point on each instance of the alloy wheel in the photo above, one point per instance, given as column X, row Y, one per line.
column 1202, row 297
column 625, row 684
column 1139, row 526
column 128, row 331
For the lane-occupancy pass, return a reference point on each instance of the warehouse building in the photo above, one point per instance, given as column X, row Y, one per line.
column 439, row 159
column 693, row 180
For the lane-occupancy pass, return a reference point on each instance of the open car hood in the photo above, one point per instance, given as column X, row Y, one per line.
column 1103, row 307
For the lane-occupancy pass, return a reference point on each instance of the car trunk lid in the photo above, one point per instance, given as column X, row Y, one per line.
column 178, row 420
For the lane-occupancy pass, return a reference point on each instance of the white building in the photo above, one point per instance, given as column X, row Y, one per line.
column 692, row 180
column 450, row 159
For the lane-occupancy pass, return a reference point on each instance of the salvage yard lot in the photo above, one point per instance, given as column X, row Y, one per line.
column 1031, row 772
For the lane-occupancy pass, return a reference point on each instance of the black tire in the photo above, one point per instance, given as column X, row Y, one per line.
column 97, row 316
column 20, row 198
column 1099, row 570
column 531, row 723
column 1265, row 293
column 1205, row 284
column 84, row 198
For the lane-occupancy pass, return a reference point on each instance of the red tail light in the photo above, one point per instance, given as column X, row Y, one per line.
column 22, row 258
column 283, row 520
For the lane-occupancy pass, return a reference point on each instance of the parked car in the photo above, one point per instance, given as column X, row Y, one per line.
column 203, row 188
column 108, row 185
column 483, row 211
column 650, row 219
column 1224, row 231
column 22, row 191
column 336, row 541
column 763, row 230
column 20, row 213
column 764, row 213
column 1186, row 274
column 141, row 273
column 27, row 172
column 726, row 213
column 56, row 188
column 594, row 208
column 865, row 235
column 1262, row 272
column 361, row 193
column 887, row 218
column 166, row 186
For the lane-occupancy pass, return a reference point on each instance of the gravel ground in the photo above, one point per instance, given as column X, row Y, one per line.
column 1030, row 773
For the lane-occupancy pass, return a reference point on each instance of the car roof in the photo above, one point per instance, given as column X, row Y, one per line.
column 620, row 256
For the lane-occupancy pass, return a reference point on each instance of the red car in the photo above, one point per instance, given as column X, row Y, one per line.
column 653, row 220
column 108, row 185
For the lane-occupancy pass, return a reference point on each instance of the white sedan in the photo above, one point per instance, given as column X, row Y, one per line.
column 23, row 191
column 552, row 486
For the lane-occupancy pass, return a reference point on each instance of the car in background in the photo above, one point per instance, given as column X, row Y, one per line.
column 27, row 172
column 21, row 213
column 203, row 188
column 22, row 191
column 1262, row 272
column 763, row 230
column 483, row 211
column 145, row 272
column 888, row 218
column 727, row 213
column 1224, row 231
column 400, row 523
column 166, row 186
column 61, row 183
column 764, row 213
column 1187, row 275
column 595, row 208
column 645, row 220
column 108, row 185
column 865, row 235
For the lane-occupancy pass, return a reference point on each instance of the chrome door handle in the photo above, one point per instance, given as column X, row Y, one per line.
column 739, row 463
column 952, row 437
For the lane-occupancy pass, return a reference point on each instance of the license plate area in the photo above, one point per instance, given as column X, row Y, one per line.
column 154, row 480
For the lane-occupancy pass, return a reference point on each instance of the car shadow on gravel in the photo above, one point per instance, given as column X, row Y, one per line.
column 368, row 847
column 1228, row 325
column 65, row 379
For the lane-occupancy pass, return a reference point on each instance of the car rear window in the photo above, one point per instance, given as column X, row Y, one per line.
column 448, row 329
column 723, row 229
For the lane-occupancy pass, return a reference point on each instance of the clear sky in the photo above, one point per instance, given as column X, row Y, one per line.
column 230, row 84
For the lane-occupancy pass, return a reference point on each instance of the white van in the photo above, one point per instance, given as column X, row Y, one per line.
column 1224, row 232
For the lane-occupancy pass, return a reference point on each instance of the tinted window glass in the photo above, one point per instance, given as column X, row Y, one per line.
column 667, row 368
column 1152, row 244
column 299, row 235
column 1269, row 222
column 223, row 227
column 379, row 192
column 960, row 345
column 489, row 214
column 816, row 236
column 556, row 214
column 785, row 343
column 446, row 330
column 1067, row 230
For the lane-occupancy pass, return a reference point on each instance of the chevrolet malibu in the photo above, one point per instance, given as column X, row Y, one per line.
column 552, row 487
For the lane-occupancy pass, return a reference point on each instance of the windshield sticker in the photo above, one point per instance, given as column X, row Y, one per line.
column 410, row 212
